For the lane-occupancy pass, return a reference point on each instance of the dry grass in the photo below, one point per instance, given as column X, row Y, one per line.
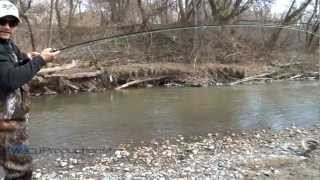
column 133, row 71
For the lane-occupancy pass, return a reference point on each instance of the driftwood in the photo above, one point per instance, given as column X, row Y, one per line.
column 296, row 76
column 76, row 75
column 49, row 91
column 251, row 78
column 315, row 74
column 58, row 68
column 231, row 55
column 131, row 83
column 288, row 64
column 263, row 79
column 283, row 75
column 69, row 84
column 90, row 86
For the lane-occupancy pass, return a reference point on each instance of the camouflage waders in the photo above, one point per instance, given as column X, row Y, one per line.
column 15, row 159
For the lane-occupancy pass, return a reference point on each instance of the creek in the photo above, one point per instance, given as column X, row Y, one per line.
column 115, row 117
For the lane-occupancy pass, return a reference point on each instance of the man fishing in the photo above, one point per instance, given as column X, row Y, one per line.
column 16, row 70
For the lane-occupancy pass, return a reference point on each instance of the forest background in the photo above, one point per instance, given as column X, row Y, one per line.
column 59, row 24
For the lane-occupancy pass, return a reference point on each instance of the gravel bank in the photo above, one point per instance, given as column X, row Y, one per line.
column 256, row 154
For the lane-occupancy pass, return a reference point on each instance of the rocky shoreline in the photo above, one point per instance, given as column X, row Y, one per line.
column 256, row 154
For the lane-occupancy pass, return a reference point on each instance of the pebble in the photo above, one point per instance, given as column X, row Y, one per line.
column 37, row 175
column 211, row 147
column 195, row 151
column 229, row 139
column 63, row 163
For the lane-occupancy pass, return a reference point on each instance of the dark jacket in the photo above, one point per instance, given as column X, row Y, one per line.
column 14, row 74
column 16, row 69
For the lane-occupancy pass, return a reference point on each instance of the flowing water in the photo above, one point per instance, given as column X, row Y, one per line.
column 142, row 114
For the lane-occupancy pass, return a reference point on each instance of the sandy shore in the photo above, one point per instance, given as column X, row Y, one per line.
column 256, row 154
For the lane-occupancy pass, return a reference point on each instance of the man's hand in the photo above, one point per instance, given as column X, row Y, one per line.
column 48, row 55
column 33, row 54
column 8, row 125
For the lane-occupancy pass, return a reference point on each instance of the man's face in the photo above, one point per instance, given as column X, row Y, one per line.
column 7, row 26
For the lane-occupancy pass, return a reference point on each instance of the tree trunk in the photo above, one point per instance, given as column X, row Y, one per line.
column 164, row 12
column 195, row 39
column 30, row 31
column 23, row 9
column 114, row 11
column 182, row 14
column 50, row 23
column 58, row 16
column 144, row 16
column 70, row 14
column 312, row 25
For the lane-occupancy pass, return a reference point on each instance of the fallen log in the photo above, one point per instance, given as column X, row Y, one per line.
column 58, row 68
column 135, row 82
column 76, row 75
column 251, row 78
column 288, row 64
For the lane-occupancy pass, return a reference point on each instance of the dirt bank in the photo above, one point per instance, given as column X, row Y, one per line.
column 258, row 154
column 87, row 77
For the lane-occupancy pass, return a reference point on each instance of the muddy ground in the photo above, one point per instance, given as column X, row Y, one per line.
column 256, row 154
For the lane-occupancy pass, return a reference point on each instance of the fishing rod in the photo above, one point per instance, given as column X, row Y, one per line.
column 121, row 36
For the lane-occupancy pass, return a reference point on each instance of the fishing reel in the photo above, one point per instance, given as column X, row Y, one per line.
column 54, row 50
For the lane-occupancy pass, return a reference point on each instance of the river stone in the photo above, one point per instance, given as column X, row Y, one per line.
column 36, row 175
column 118, row 154
column 63, row 163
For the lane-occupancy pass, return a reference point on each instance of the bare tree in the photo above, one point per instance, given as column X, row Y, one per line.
column 132, row 16
column 144, row 15
column 292, row 15
column 153, row 11
column 262, row 10
column 118, row 9
column 24, row 7
column 111, row 11
column 58, row 17
column 187, row 10
column 50, row 23
column 313, row 24
column 71, row 12
column 223, row 11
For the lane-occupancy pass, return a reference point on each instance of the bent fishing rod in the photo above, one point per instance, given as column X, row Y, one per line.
column 121, row 36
